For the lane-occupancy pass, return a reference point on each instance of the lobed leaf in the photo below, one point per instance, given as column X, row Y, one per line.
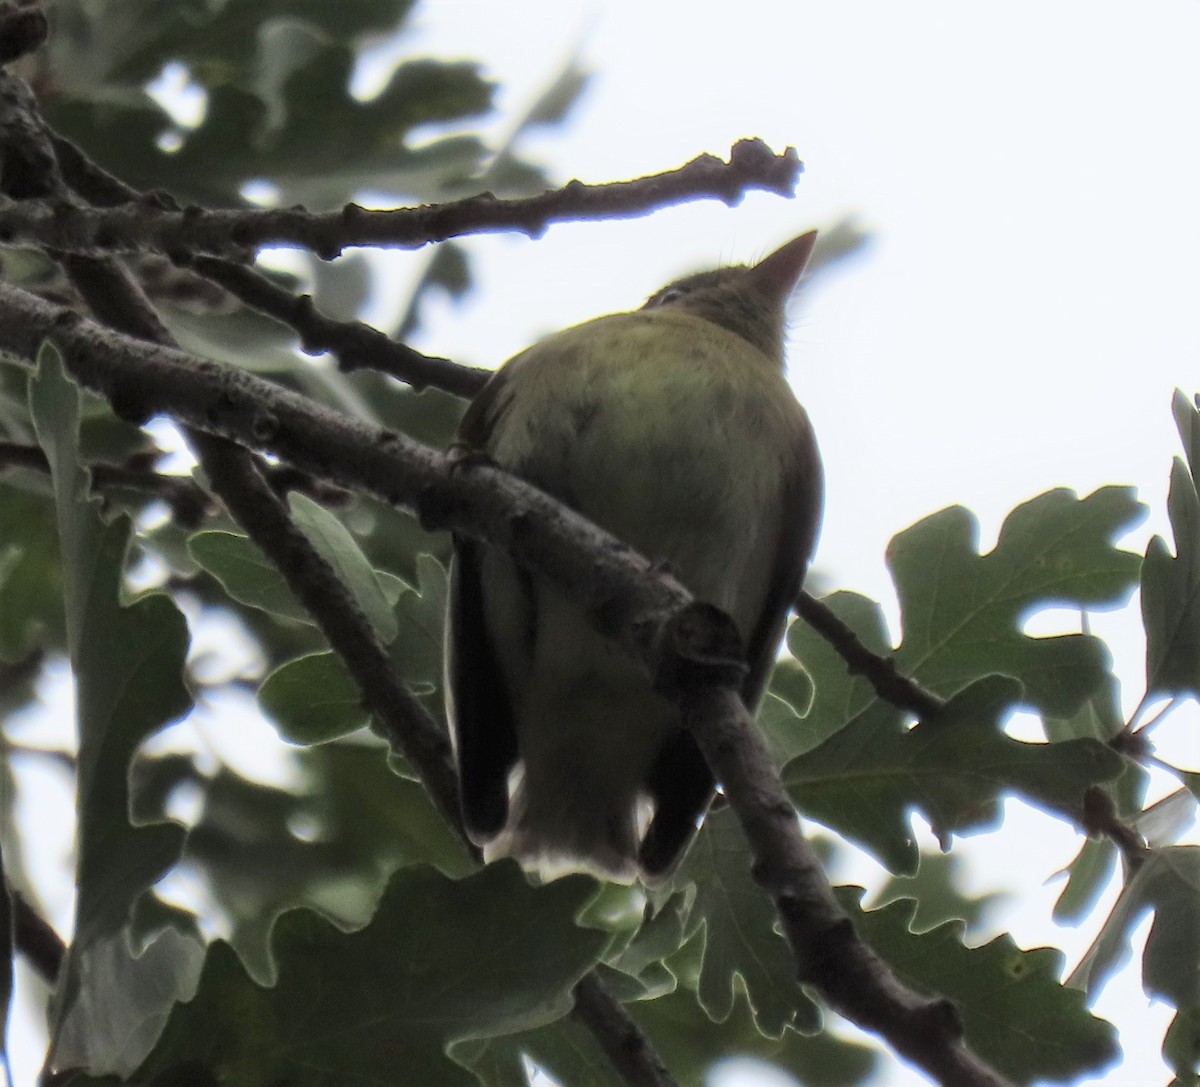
column 962, row 611
column 1171, row 583
column 740, row 937
column 1167, row 883
column 128, row 664
column 440, row 962
column 1017, row 1015
column 953, row 768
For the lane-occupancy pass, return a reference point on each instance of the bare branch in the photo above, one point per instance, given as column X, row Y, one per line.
column 880, row 672
column 622, row 1041
column 190, row 503
column 146, row 225
column 22, row 30
column 34, row 937
column 354, row 344
column 829, row 953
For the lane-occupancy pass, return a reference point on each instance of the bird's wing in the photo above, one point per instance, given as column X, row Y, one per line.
column 680, row 782
column 803, row 499
column 479, row 703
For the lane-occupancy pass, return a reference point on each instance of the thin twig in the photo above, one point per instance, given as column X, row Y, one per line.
column 623, row 1042
column 36, row 939
column 901, row 691
column 355, row 344
column 148, row 225
column 190, row 503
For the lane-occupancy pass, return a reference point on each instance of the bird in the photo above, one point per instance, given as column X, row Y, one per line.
column 674, row 428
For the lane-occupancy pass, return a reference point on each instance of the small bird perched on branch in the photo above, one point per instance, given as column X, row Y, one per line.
column 673, row 428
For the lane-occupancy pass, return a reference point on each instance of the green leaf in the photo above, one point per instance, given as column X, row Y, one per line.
column 239, row 337
column 962, row 611
column 837, row 697
column 126, row 999
column 338, row 548
column 1168, row 882
column 441, row 961
column 424, row 91
column 936, row 892
column 313, row 699
column 740, row 938
column 691, row 1045
column 251, row 578
column 31, row 612
column 277, row 79
column 245, row 572
column 1171, row 583
column 263, row 850
column 659, row 936
column 1087, row 876
column 953, row 767
column 128, row 664
column 420, row 616
column 784, row 713
column 1181, row 1047
column 1018, row 1016
column 285, row 46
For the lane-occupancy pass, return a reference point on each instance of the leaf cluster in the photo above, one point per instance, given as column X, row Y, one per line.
column 358, row 933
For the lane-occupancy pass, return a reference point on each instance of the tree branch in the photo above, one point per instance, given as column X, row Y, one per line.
column 190, row 503
column 23, row 30
column 625, row 595
column 621, row 1039
column 146, row 225
column 829, row 953
column 1098, row 815
column 355, row 344
column 880, row 672
column 34, row 937
column 117, row 300
column 114, row 296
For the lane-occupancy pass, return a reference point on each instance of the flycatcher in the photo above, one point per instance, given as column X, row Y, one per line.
column 674, row 428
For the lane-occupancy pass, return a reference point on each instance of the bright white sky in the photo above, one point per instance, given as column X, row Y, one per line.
column 1031, row 172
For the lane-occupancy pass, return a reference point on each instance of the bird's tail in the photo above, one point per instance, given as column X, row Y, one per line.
column 556, row 832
